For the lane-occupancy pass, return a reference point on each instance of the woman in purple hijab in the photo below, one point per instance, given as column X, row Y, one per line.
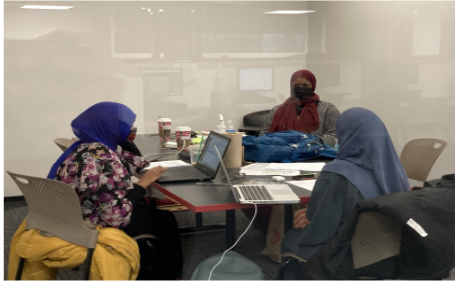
column 102, row 179
column 366, row 166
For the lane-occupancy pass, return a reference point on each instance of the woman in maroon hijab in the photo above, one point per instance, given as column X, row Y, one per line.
column 304, row 111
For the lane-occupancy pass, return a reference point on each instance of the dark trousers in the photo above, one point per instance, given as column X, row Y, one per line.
column 164, row 259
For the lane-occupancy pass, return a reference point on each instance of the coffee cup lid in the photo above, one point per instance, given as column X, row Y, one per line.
column 164, row 119
column 183, row 128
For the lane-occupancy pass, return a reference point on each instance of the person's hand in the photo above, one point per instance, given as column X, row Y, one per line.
column 150, row 176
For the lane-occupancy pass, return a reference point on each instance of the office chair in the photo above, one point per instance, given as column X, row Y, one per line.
column 387, row 237
column 253, row 122
column 418, row 157
column 64, row 143
column 376, row 238
column 54, row 208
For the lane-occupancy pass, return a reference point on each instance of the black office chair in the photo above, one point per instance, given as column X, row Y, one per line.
column 406, row 235
column 253, row 122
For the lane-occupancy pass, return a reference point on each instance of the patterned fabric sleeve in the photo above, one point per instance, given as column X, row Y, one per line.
column 266, row 127
column 329, row 126
column 133, row 162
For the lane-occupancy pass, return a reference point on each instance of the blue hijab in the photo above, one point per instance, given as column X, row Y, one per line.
column 366, row 156
column 107, row 122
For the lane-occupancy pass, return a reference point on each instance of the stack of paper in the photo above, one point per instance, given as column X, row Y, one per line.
column 280, row 172
column 283, row 169
column 298, row 166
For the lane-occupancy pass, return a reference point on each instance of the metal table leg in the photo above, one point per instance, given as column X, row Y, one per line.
column 199, row 227
column 230, row 228
column 199, row 220
column 289, row 216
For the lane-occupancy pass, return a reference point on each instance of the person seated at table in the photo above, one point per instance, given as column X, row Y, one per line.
column 304, row 111
column 102, row 179
column 366, row 166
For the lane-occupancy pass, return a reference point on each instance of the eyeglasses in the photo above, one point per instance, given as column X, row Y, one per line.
column 235, row 176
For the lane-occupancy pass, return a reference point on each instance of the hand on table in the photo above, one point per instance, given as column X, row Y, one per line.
column 150, row 176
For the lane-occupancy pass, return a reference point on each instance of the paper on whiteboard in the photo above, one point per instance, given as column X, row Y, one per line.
column 297, row 166
column 306, row 184
column 168, row 164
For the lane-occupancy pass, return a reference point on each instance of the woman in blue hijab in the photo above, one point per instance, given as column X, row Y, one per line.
column 366, row 166
column 102, row 179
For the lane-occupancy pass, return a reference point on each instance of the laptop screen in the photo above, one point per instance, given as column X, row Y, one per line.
column 209, row 157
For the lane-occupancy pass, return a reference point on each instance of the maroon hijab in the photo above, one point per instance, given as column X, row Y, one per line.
column 285, row 117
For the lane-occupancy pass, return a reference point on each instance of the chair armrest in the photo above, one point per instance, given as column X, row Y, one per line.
column 292, row 254
column 144, row 236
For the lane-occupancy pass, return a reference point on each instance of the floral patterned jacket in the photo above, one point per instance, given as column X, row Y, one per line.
column 101, row 178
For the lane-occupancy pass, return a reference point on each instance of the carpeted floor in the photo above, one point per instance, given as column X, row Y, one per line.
column 196, row 247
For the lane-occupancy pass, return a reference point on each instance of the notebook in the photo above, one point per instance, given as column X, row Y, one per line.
column 206, row 167
column 260, row 193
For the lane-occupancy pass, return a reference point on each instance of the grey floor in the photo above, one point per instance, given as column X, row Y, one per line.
column 196, row 247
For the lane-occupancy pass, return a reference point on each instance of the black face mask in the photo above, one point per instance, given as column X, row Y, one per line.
column 132, row 135
column 301, row 92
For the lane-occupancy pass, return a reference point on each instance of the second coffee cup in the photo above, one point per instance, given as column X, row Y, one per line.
column 183, row 136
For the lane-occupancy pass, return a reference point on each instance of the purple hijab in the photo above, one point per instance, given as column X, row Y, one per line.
column 366, row 156
column 107, row 122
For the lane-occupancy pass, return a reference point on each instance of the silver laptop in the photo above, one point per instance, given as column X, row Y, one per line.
column 260, row 193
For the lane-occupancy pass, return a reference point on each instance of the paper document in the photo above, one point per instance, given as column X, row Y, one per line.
column 280, row 172
column 306, row 184
column 283, row 169
column 256, row 166
column 254, row 169
column 168, row 164
column 297, row 166
column 262, row 169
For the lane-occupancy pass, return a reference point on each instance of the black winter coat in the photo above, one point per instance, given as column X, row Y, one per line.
column 430, row 257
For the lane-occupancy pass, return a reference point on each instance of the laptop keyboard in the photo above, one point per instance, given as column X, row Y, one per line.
column 255, row 192
column 187, row 172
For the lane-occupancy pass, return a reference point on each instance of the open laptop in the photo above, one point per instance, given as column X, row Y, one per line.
column 260, row 193
column 206, row 167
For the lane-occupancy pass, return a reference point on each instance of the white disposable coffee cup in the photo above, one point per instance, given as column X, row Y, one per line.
column 164, row 126
column 183, row 136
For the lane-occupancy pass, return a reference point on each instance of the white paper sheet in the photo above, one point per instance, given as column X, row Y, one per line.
column 280, row 172
column 306, row 184
column 262, row 169
column 254, row 169
column 283, row 169
column 168, row 164
column 297, row 166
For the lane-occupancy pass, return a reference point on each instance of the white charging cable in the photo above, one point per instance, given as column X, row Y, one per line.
column 162, row 158
column 246, row 230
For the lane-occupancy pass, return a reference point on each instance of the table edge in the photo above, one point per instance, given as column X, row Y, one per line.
column 214, row 207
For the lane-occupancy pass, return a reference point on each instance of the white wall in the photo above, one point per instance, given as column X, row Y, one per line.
column 395, row 58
